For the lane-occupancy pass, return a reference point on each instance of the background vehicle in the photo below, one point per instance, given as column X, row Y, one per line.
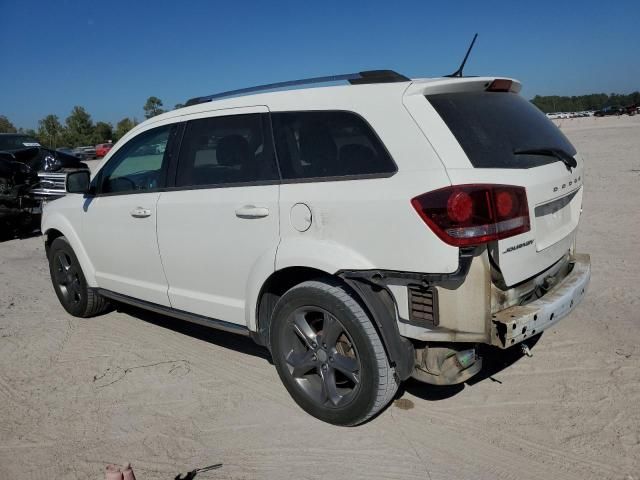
column 11, row 142
column 70, row 151
column 29, row 175
column 88, row 152
column 610, row 110
column 363, row 233
column 102, row 149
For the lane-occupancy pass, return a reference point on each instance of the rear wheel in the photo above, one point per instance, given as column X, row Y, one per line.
column 69, row 282
column 329, row 355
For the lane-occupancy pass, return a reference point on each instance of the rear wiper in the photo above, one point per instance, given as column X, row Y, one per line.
column 560, row 154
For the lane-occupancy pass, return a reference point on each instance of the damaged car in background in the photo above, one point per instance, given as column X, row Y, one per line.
column 30, row 174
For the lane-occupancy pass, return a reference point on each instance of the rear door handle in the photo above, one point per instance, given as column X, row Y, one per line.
column 140, row 212
column 251, row 211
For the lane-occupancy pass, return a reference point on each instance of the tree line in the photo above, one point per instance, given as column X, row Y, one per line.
column 78, row 129
column 581, row 103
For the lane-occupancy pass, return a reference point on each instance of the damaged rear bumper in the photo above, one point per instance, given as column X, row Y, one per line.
column 515, row 324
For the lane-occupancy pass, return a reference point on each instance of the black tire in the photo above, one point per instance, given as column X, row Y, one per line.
column 346, row 381
column 69, row 282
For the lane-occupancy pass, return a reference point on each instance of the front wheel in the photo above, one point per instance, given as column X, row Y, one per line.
column 69, row 283
column 328, row 354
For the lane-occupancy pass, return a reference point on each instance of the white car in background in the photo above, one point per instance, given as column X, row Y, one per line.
column 363, row 233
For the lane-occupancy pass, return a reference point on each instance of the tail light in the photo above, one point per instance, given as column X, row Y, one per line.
column 465, row 215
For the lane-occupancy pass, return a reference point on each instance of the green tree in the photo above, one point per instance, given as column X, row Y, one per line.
column 178, row 105
column 6, row 126
column 123, row 126
column 50, row 131
column 103, row 132
column 80, row 127
column 153, row 107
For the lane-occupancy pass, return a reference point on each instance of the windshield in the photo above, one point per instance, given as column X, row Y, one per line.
column 491, row 126
column 16, row 142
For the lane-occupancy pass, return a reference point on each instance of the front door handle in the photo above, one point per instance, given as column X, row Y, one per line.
column 251, row 211
column 140, row 212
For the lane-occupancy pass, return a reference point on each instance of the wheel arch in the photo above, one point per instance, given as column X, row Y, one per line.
column 291, row 257
column 60, row 227
column 50, row 236
column 378, row 303
column 273, row 288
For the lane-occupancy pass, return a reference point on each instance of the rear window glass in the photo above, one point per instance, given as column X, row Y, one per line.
column 491, row 126
column 328, row 144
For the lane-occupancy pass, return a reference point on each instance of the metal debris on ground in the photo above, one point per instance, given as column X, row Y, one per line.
column 190, row 475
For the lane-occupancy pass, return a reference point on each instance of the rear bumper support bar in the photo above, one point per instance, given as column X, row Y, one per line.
column 515, row 324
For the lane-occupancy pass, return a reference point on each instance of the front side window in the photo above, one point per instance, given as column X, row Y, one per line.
column 225, row 150
column 138, row 165
column 328, row 144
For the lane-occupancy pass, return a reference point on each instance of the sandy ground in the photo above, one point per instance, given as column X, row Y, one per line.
column 169, row 397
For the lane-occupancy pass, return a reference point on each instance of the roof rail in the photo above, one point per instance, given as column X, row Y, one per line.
column 369, row 76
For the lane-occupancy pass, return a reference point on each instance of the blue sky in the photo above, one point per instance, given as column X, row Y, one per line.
column 110, row 56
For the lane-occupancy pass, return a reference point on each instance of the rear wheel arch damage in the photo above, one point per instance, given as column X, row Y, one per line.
column 329, row 355
column 276, row 285
column 379, row 305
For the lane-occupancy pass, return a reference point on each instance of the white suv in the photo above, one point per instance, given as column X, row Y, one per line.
column 363, row 233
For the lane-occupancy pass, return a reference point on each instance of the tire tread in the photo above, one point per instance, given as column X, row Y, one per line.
column 387, row 380
column 96, row 303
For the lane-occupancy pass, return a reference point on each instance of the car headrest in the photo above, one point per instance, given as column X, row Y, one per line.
column 233, row 150
column 318, row 147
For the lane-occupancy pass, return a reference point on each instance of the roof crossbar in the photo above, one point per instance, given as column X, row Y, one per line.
column 369, row 76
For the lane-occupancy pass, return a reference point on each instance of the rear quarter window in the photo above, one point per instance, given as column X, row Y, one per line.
column 323, row 144
column 491, row 126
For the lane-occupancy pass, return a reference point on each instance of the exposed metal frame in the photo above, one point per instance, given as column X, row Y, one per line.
column 369, row 76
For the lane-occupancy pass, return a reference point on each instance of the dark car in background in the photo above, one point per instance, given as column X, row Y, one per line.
column 631, row 110
column 70, row 151
column 610, row 110
column 10, row 142
column 29, row 175
column 88, row 152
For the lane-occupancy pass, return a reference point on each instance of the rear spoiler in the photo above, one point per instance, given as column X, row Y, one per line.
column 433, row 86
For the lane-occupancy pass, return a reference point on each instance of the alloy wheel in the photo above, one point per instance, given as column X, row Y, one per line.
column 67, row 278
column 321, row 357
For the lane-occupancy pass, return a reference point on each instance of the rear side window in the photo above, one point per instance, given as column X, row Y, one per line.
column 328, row 144
column 491, row 126
column 225, row 150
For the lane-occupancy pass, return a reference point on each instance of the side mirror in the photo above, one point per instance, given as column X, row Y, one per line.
column 78, row 182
